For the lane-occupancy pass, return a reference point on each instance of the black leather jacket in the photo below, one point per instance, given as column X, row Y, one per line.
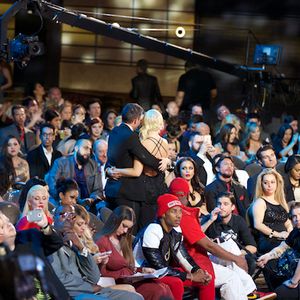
column 171, row 252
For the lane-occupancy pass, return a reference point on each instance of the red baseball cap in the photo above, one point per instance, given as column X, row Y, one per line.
column 165, row 202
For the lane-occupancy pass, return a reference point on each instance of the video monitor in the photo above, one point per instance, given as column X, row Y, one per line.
column 267, row 54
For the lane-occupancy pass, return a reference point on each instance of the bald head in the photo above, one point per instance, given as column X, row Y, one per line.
column 100, row 150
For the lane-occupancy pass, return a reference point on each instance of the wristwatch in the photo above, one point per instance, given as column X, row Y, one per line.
column 271, row 234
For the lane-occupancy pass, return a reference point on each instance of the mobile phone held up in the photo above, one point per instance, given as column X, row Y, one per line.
column 35, row 215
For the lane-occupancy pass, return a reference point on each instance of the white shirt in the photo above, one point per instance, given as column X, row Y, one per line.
column 208, row 168
column 48, row 154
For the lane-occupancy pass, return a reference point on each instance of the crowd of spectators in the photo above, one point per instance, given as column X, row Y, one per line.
column 230, row 185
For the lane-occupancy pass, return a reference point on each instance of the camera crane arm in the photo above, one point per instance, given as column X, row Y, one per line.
column 59, row 14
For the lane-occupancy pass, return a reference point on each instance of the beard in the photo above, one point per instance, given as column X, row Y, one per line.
column 81, row 159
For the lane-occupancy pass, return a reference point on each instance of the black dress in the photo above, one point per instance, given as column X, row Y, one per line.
column 154, row 183
column 275, row 218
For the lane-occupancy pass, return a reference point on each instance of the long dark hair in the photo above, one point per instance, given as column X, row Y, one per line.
column 113, row 222
column 225, row 132
column 292, row 161
column 6, row 160
column 195, row 181
column 280, row 134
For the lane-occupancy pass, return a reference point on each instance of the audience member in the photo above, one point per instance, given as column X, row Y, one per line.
column 109, row 120
column 94, row 109
column 292, row 178
column 37, row 198
column 16, row 168
column 52, row 117
column 100, row 148
column 186, row 168
column 224, row 182
column 18, row 129
column 284, row 142
column 266, row 158
column 78, row 115
column 252, row 141
column 41, row 158
column 67, row 191
column 229, row 142
column 96, row 130
column 54, row 100
column 270, row 211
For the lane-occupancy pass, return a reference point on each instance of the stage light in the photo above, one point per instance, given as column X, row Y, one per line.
column 180, row 32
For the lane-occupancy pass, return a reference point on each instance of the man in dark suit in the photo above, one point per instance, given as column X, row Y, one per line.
column 123, row 146
column 224, row 183
column 41, row 158
column 18, row 129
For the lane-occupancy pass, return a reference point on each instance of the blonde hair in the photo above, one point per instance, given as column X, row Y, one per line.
column 153, row 121
column 30, row 194
column 279, row 195
column 87, row 237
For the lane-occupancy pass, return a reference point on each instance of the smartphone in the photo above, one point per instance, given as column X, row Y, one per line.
column 35, row 215
column 103, row 253
column 207, row 139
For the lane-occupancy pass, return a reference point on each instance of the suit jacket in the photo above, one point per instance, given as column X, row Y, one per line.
column 218, row 186
column 65, row 167
column 123, row 146
column 38, row 163
column 12, row 129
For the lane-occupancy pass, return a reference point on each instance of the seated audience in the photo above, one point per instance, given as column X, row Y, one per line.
column 230, row 268
column 75, row 266
column 269, row 211
column 116, row 237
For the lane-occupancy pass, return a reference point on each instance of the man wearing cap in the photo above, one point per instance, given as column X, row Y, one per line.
column 233, row 281
column 160, row 245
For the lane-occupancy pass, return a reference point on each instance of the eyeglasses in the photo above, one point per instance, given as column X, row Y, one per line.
column 47, row 135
